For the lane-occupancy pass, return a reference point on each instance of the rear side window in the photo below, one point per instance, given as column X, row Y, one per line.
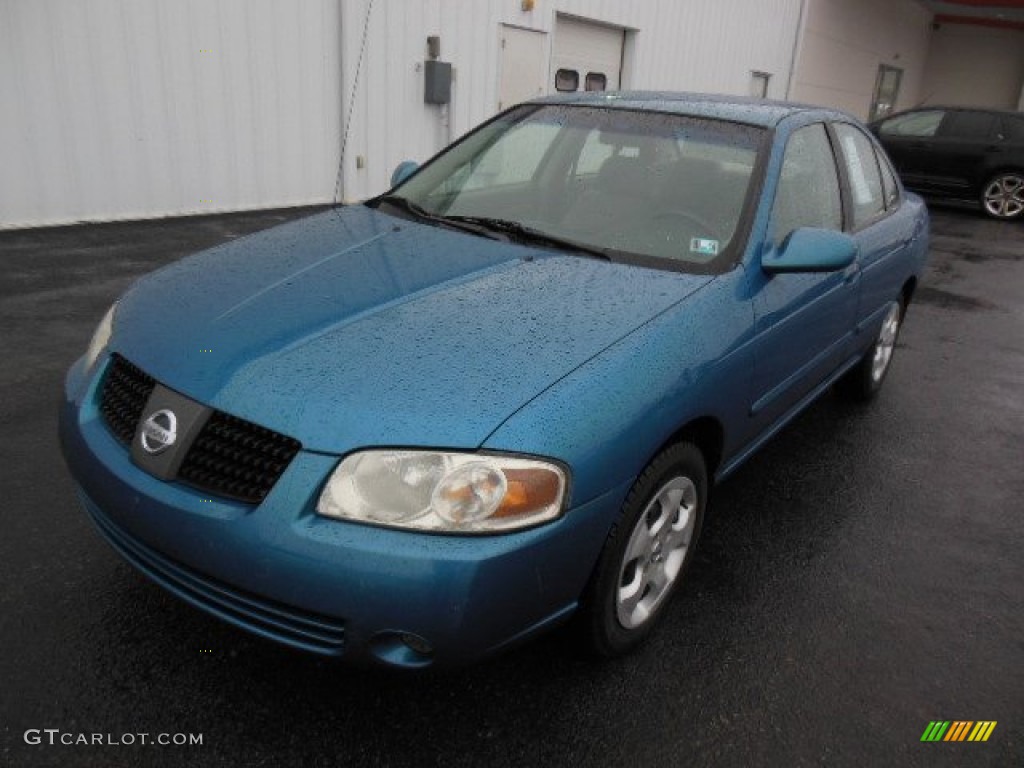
column 967, row 125
column 889, row 185
column 862, row 173
column 808, row 191
column 920, row 124
column 1011, row 128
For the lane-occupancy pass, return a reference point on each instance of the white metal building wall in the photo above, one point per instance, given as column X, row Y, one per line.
column 119, row 109
column 699, row 45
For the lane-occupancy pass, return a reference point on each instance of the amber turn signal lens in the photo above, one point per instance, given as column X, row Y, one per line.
column 529, row 490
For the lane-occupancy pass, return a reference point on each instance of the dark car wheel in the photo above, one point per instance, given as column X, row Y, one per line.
column 647, row 551
column 863, row 381
column 1003, row 196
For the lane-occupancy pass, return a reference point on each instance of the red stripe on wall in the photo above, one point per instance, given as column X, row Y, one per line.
column 946, row 18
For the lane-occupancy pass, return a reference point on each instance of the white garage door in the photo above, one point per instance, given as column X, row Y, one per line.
column 586, row 57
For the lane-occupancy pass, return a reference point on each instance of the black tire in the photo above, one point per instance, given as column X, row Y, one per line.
column 676, row 469
column 1002, row 197
column 862, row 382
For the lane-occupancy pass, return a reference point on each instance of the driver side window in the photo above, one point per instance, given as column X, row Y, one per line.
column 593, row 153
column 514, row 159
column 807, row 194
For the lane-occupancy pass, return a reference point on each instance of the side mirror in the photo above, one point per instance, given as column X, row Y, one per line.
column 403, row 171
column 811, row 250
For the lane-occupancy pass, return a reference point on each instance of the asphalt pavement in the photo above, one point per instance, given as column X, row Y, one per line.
column 861, row 576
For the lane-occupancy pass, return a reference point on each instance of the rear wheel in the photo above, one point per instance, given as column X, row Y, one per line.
column 863, row 381
column 647, row 551
column 1003, row 196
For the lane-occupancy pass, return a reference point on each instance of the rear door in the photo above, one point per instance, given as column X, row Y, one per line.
column 1008, row 154
column 961, row 150
column 883, row 227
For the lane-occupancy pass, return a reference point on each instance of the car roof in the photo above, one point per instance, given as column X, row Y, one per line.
column 765, row 113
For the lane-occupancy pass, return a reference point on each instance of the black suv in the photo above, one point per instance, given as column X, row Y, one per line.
column 970, row 154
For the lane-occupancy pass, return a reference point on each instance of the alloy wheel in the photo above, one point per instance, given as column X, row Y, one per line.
column 885, row 344
column 1004, row 196
column 656, row 551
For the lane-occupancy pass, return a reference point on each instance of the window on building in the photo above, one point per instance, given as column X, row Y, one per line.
column 567, row 80
column 759, row 84
column 887, row 88
column 808, row 190
column 862, row 173
column 596, row 81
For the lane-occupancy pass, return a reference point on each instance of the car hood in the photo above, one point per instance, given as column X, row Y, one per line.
column 352, row 328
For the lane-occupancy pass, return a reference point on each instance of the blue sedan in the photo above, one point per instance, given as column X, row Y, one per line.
column 422, row 429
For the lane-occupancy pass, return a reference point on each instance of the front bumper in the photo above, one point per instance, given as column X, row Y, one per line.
column 341, row 589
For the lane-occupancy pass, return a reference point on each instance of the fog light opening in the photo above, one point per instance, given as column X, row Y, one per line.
column 402, row 649
column 417, row 644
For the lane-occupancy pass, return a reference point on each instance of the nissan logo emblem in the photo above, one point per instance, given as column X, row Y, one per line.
column 159, row 431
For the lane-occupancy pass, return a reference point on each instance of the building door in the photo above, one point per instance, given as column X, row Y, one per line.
column 887, row 88
column 523, row 74
column 586, row 57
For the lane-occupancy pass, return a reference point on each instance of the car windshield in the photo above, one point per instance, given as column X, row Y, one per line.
column 649, row 185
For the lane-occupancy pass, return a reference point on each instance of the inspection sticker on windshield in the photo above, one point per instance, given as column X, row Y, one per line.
column 703, row 246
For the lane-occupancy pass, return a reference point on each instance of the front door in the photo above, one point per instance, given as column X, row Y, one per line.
column 964, row 144
column 910, row 141
column 804, row 321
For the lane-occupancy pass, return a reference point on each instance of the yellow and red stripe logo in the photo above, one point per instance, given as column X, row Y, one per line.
column 958, row 730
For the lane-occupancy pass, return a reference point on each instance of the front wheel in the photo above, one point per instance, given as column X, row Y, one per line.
column 863, row 381
column 647, row 551
column 1003, row 196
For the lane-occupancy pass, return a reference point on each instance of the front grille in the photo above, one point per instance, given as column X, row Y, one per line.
column 230, row 457
column 235, row 458
column 125, row 392
column 308, row 631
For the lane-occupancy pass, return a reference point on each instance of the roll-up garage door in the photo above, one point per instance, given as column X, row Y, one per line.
column 586, row 56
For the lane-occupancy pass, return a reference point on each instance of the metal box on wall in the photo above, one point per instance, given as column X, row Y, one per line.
column 437, row 82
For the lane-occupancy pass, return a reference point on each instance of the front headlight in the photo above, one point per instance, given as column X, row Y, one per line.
column 444, row 492
column 101, row 337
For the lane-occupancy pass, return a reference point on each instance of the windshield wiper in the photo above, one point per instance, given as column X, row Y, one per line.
column 487, row 226
column 531, row 235
column 403, row 203
column 421, row 213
